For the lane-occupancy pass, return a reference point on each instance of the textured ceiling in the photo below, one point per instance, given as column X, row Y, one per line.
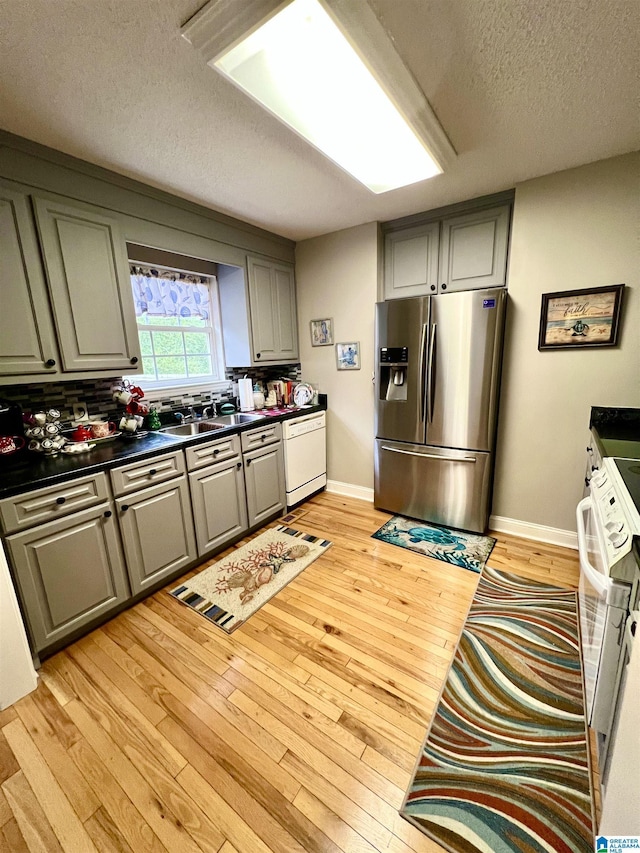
column 522, row 87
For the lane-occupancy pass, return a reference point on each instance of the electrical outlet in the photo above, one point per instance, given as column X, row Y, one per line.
column 80, row 413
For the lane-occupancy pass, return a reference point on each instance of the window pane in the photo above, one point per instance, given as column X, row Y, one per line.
column 149, row 368
column 171, row 367
column 164, row 321
column 145, row 343
column 193, row 321
column 196, row 343
column 199, row 365
column 168, row 343
column 142, row 319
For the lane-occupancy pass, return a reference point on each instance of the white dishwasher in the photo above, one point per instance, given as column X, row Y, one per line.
column 305, row 456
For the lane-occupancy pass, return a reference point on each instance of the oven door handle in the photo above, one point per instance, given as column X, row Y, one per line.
column 595, row 578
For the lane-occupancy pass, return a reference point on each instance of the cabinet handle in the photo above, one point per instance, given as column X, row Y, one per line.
column 258, row 354
column 433, row 287
column 263, row 438
column 444, row 287
column 50, row 362
column 61, row 501
column 248, row 462
column 108, row 513
column 239, row 465
column 124, row 507
column 216, row 451
column 152, row 471
column 133, row 360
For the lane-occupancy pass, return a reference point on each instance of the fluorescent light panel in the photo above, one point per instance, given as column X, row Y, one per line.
column 300, row 67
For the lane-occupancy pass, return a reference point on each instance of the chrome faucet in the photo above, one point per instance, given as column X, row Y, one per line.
column 211, row 410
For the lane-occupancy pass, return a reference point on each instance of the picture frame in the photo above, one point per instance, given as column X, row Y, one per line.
column 571, row 319
column 348, row 355
column 322, row 332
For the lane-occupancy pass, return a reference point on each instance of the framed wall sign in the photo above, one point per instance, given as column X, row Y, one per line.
column 580, row 318
column 348, row 356
column 322, row 333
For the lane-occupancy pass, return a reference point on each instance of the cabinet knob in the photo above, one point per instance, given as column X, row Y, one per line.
column 263, row 438
column 152, row 472
column 216, row 451
column 61, row 500
column 133, row 360
column 50, row 362
column 258, row 354
column 433, row 287
column 239, row 465
column 444, row 287
column 108, row 513
column 124, row 507
column 248, row 462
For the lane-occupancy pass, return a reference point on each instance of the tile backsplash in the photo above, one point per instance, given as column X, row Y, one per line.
column 96, row 393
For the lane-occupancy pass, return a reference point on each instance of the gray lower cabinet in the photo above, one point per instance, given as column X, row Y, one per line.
column 264, row 480
column 157, row 532
column 70, row 572
column 219, row 504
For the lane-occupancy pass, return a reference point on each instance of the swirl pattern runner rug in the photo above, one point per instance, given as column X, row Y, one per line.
column 505, row 764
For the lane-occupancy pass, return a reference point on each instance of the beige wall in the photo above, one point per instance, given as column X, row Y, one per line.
column 571, row 230
column 337, row 276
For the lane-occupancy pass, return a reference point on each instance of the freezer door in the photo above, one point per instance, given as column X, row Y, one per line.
column 449, row 487
column 400, row 408
column 463, row 368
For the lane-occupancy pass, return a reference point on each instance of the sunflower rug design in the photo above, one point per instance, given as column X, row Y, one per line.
column 466, row 550
column 505, row 766
column 232, row 589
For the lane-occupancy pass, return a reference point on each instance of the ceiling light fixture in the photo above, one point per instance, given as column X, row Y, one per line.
column 328, row 70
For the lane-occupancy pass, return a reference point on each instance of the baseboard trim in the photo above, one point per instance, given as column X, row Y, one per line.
column 349, row 490
column 537, row 532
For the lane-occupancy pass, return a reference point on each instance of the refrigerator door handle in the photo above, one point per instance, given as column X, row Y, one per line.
column 423, row 371
column 429, row 455
column 431, row 369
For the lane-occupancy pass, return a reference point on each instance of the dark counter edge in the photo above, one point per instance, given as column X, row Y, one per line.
column 28, row 471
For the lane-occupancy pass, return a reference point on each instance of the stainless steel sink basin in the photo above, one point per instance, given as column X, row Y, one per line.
column 192, row 429
column 233, row 420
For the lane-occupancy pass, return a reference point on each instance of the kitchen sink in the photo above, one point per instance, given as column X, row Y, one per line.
column 233, row 420
column 192, row 429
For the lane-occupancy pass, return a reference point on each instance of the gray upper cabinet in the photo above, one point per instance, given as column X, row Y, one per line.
column 27, row 340
column 461, row 252
column 473, row 250
column 411, row 261
column 273, row 310
column 86, row 263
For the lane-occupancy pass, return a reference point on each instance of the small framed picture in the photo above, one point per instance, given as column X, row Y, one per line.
column 348, row 356
column 580, row 318
column 322, row 333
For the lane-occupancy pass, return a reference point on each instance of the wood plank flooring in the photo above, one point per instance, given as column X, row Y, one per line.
column 159, row 732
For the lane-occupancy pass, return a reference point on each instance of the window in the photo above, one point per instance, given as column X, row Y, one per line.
column 178, row 326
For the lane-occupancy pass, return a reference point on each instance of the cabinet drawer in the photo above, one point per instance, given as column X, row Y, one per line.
column 138, row 475
column 255, row 438
column 212, row 452
column 23, row 511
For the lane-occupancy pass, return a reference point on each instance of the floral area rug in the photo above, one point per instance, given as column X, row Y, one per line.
column 505, row 765
column 442, row 543
column 232, row 589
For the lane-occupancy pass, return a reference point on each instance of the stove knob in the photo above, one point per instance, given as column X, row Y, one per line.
column 614, row 526
column 618, row 539
column 599, row 478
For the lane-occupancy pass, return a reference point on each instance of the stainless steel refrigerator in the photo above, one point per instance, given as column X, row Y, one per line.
column 437, row 385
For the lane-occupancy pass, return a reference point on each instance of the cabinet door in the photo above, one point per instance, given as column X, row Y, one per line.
column 157, row 532
column 27, row 342
column 473, row 250
column 411, row 261
column 264, row 479
column 86, row 263
column 70, row 572
column 273, row 311
column 219, row 504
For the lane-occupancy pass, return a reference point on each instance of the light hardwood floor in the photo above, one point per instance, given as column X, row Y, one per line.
column 159, row 732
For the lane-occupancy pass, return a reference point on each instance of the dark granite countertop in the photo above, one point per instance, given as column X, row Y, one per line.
column 616, row 431
column 25, row 471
